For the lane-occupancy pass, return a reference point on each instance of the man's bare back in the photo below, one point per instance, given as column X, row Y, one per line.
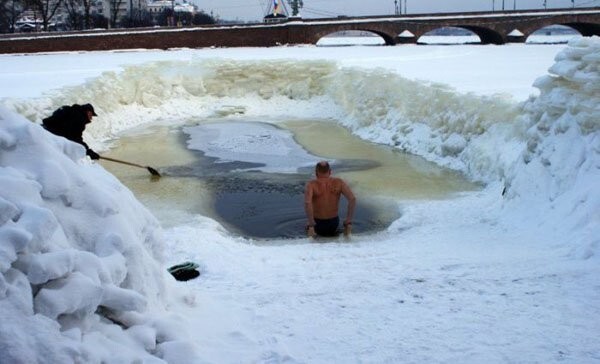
column 325, row 193
column 321, row 202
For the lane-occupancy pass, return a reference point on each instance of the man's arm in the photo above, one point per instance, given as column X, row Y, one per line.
column 308, row 205
column 308, row 208
column 92, row 154
column 88, row 150
column 347, row 192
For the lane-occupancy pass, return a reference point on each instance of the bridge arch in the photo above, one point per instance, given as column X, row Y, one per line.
column 586, row 29
column 487, row 35
column 389, row 39
column 437, row 35
column 555, row 33
column 349, row 37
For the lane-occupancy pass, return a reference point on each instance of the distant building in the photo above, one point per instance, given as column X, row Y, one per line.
column 29, row 22
column 276, row 12
column 158, row 6
column 275, row 18
column 185, row 7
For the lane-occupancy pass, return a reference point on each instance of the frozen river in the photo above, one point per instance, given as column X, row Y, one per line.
column 477, row 166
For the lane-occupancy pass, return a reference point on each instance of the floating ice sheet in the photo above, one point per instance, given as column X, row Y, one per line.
column 253, row 142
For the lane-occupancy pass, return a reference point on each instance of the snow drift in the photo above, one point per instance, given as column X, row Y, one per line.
column 80, row 258
column 558, row 168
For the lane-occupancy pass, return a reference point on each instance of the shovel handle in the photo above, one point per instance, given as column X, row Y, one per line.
column 120, row 161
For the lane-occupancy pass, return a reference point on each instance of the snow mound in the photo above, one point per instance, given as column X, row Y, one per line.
column 81, row 278
column 559, row 169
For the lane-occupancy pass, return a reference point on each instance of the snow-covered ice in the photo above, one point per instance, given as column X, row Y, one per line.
column 505, row 274
column 272, row 148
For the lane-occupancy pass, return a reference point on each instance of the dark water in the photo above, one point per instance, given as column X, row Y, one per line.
column 271, row 205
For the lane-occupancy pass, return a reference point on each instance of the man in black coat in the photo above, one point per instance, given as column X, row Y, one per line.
column 70, row 122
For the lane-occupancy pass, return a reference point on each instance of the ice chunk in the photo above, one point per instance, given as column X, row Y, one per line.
column 12, row 241
column 262, row 145
column 121, row 299
column 454, row 145
column 18, row 292
column 91, row 266
column 54, row 180
column 41, row 268
column 17, row 187
column 41, row 223
column 109, row 244
column 565, row 68
column 7, row 140
column 8, row 211
column 144, row 335
column 75, row 293
column 3, row 286
column 116, row 265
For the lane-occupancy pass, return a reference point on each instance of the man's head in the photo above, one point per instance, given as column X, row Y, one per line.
column 322, row 169
column 89, row 109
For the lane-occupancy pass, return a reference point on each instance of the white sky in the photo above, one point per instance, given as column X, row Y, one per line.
column 255, row 9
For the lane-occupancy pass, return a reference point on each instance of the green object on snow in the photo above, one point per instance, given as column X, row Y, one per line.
column 184, row 271
column 183, row 266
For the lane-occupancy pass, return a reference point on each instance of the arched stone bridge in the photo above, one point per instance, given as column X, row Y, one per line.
column 491, row 27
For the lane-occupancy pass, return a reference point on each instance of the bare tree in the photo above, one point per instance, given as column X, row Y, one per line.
column 79, row 13
column 74, row 13
column 114, row 12
column 87, row 5
column 10, row 10
column 46, row 9
column 296, row 5
column 6, row 23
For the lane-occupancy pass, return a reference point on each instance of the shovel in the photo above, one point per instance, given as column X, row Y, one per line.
column 152, row 171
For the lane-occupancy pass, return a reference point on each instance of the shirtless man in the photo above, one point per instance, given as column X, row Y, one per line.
column 321, row 202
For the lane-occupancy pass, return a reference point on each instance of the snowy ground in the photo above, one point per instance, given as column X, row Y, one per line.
column 483, row 277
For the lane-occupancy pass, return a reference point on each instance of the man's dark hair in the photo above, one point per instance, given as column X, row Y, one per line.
column 322, row 167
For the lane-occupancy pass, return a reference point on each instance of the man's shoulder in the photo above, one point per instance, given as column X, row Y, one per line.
column 312, row 182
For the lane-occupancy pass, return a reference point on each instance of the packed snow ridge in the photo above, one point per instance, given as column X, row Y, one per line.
column 80, row 259
column 83, row 279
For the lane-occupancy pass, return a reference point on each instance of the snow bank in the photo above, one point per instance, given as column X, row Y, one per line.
column 559, row 169
column 379, row 105
column 81, row 278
